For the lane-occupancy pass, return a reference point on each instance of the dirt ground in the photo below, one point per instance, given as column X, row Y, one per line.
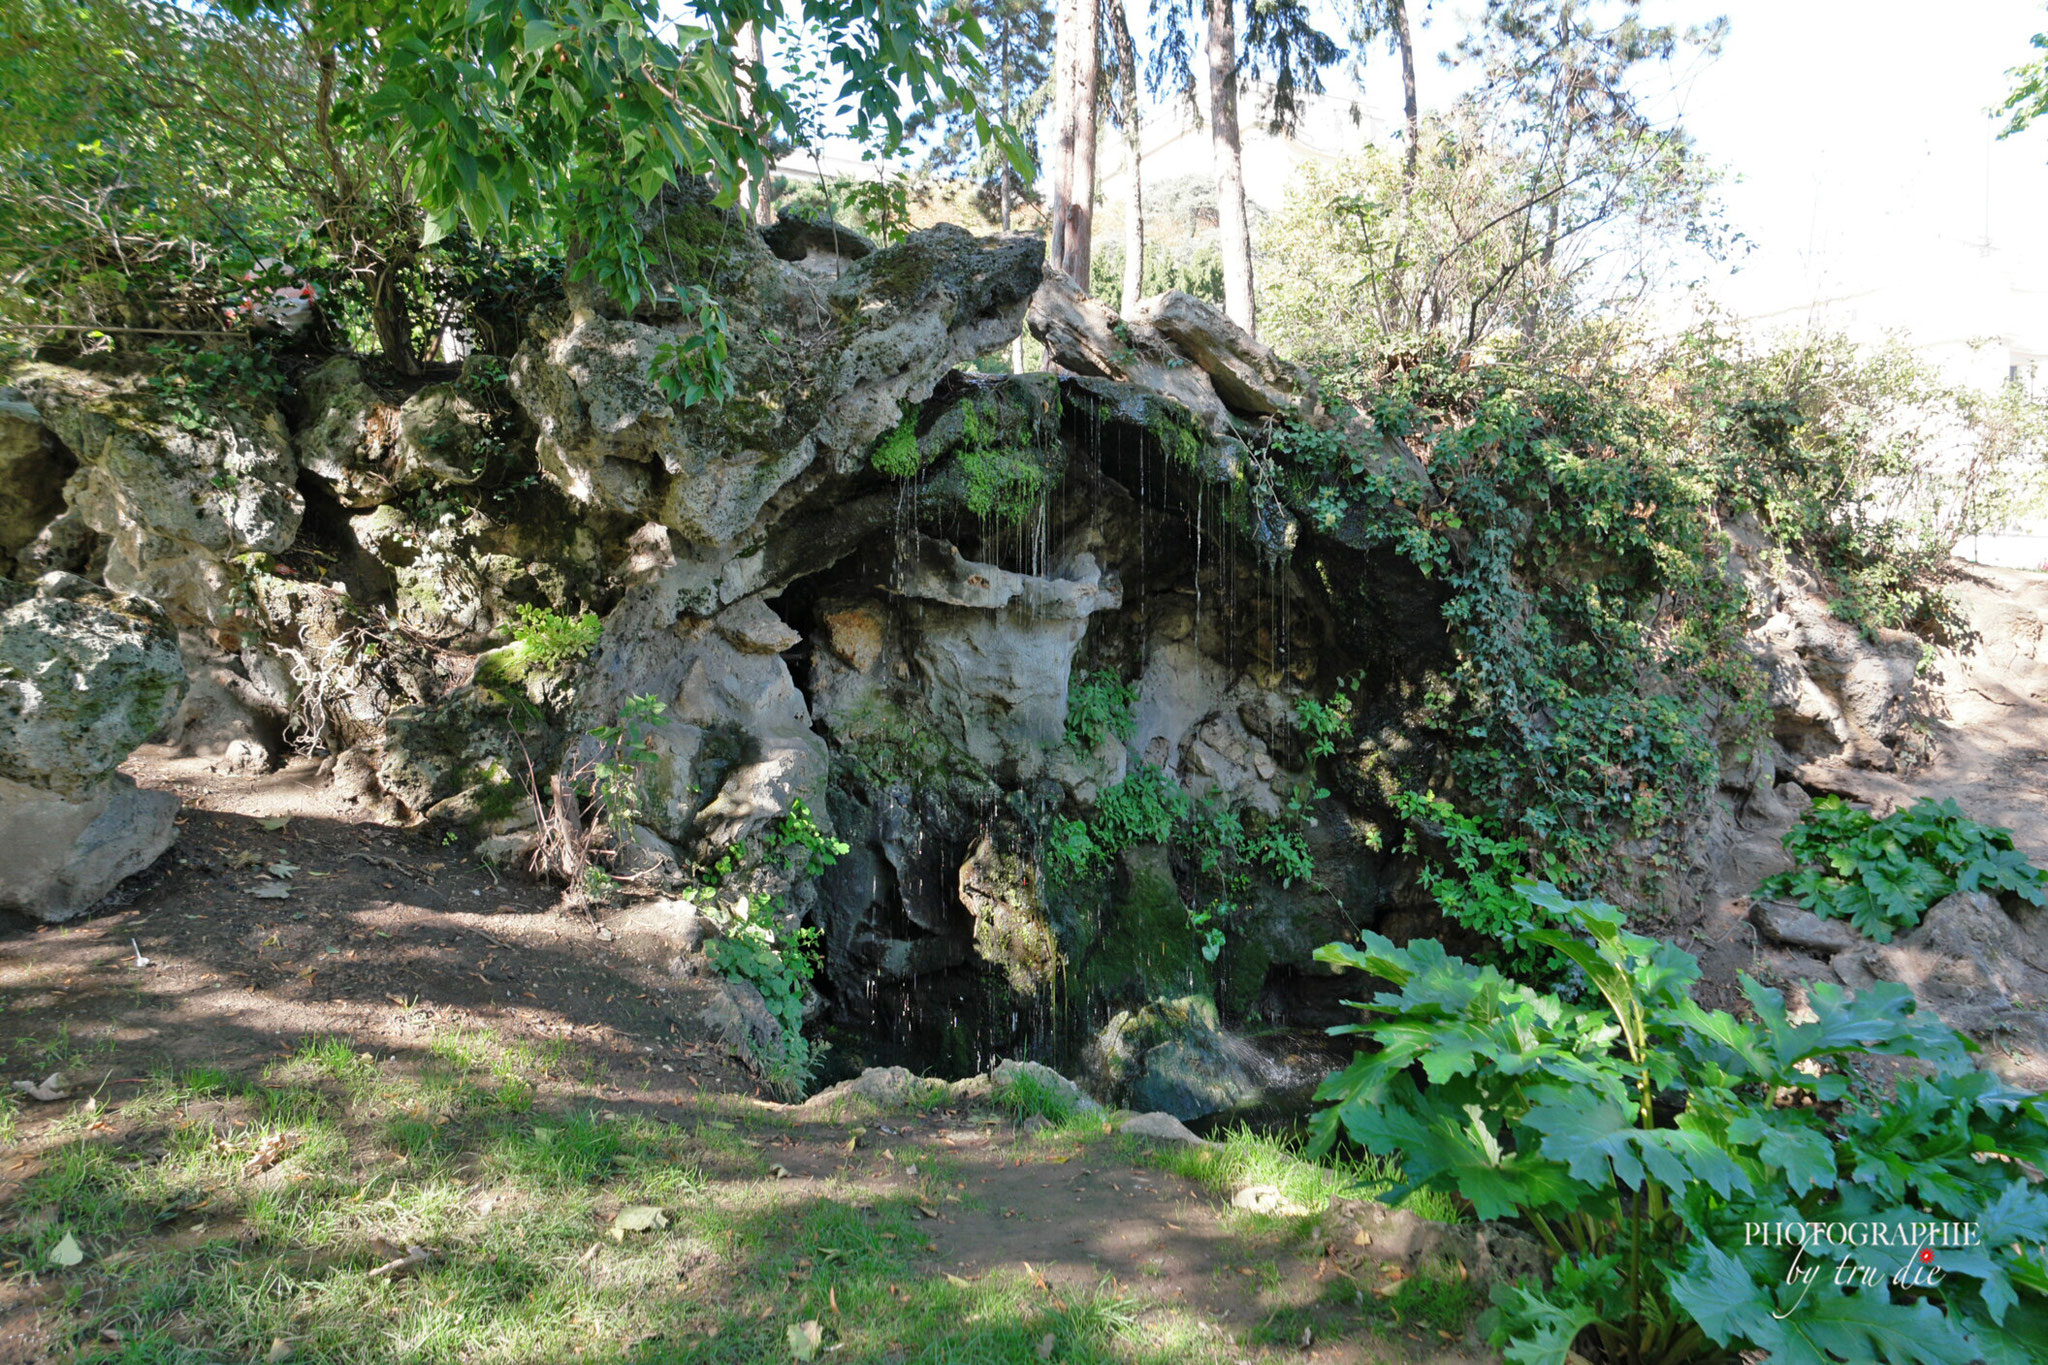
column 282, row 916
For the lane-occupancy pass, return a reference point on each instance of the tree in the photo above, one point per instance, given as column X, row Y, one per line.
column 1374, row 19
column 1016, row 88
column 1127, row 115
column 1278, row 38
column 1076, row 91
column 2028, row 98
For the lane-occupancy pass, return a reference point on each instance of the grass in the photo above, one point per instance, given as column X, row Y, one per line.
column 1243, row 1156
column 228, row 1219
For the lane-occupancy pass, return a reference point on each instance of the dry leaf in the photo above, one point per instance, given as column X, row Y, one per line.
column 1046, row 1344
column 637, row 1218
column 397, row 1266
column 272, row 1151
column 282, row 870
column 780, row 1172
column 271, row 893
column 67, row 1252
column 52, row 1088
column 805, row 1338
column 280, row 1349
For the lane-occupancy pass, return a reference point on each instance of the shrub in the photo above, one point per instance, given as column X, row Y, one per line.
column 1661, row 1151
column 1884, row 875
column 1100, row 706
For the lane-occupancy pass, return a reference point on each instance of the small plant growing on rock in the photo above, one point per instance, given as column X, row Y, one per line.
column 1705, row 1184
column 897, row 454
column 1100, row 706
column 617, row 782
column 547, row 639
column 1884, row 875
column 691, row 369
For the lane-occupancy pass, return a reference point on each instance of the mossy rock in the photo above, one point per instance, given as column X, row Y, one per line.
column 1144, row 947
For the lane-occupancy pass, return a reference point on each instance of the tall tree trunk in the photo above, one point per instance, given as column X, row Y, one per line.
column 1086, row 72
column 1404, row 40
column 747, row 47
column 1063, row 126
column 1134, row 211
column 1004, row 35
column 1232, row 229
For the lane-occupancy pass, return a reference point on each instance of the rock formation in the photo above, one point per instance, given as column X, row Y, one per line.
column 86, row 674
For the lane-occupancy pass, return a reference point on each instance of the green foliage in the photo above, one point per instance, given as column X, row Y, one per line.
column 1588, row 618
column 752, row 948
column 805, row 849
column 195, row 384
column 1224, row 848
column 897, row 454
column 1026, row 1096
column 1477, row 888
column 1003, row 482
column 1862, row 458
column 1100, row 706
column 547, row 640
column 1884, row 875
column 617, row 781
column 1326, row 722
column 691, row 369
column 1654, row 1147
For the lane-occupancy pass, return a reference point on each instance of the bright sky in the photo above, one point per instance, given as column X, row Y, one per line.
column 1864, row 167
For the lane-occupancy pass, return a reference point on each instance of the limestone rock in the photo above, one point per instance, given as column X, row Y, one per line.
column 371, row 449
column 177, row 506
column 876, row 1088
column 1365, row 1232
column 1248, row 376
column 1174, row 1056
column 1160, row 1127
column 64, row 855
column 1084, row 336
column 1797, row 928
column 33, row 469
column 821, row 368
column 999, row 885
column 85, row 675
column 739, row 1018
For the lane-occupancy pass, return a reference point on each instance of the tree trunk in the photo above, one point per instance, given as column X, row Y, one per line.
column 1003, row 169
column 1134, row 211
column 1233, row 231
column 759, row 195
column 1085, row 73
column 391, row 317
column 1404, row 39
column 1063, row 127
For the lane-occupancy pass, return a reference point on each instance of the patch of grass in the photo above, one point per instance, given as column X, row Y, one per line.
column 1241, row 1156
column 574, row 1147
column 1025, row 1096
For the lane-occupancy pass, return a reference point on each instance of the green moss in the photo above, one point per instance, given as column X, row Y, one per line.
column 1002, row 485
column 1146, row 947
column 897, row 453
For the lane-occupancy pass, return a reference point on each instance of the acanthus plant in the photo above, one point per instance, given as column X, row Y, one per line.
column 1652, row 1144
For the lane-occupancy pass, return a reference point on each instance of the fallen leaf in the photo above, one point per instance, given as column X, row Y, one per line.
column 275, row 823
column 272, row 1151
column 140, row 960
column 282, row 869
column 927, row 1210
column 67, row 1252
column 271, row 893
column 780, row 1172
column 52, row 1088
column 805, row 1338
column 637, row 1218
column 280, row 1349
column 957, row 1282
column 1046, row 1344
column 412, row 1260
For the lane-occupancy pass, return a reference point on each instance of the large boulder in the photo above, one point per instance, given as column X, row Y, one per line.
column 85, row 676
column 1173, row 1056
column 1248, row 376
column 820, row 367
column 178, row 500
column 370, row 447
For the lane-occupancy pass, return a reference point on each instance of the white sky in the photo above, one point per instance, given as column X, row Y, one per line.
column 1863, row 165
